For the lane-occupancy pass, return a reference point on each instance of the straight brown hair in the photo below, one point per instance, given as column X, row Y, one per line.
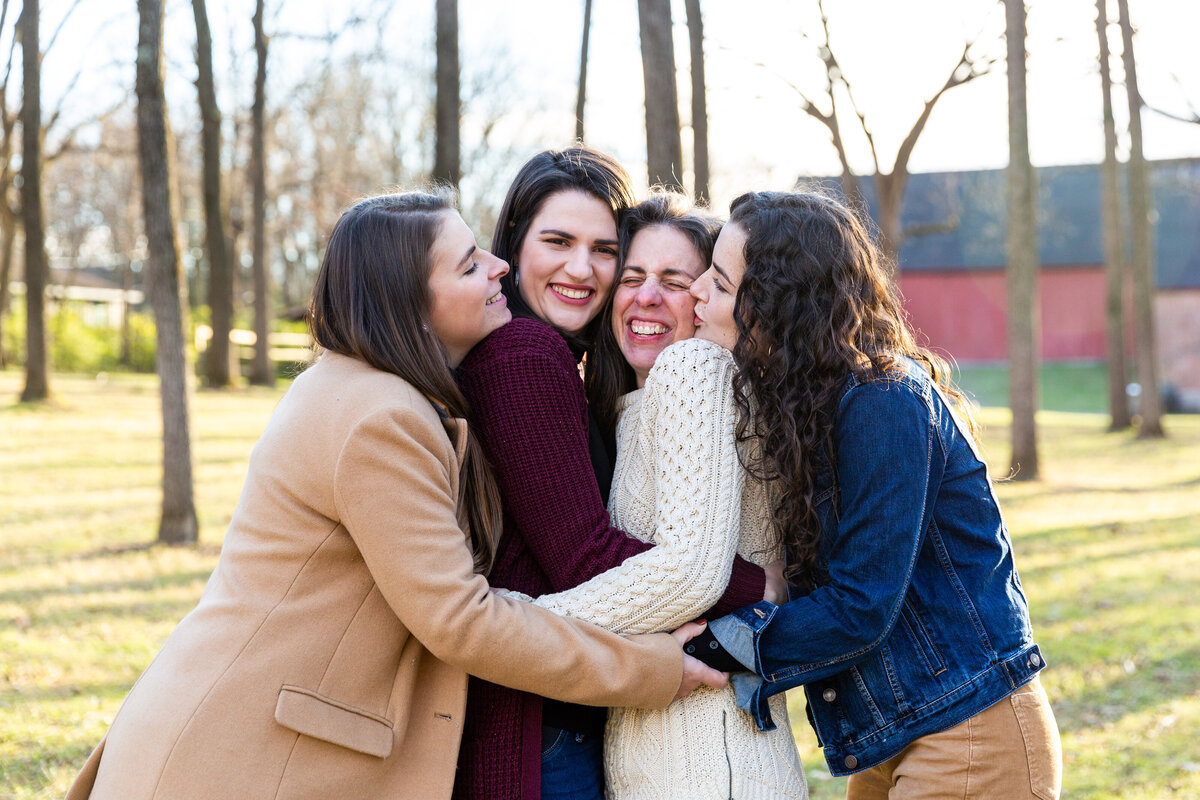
column 371, row 301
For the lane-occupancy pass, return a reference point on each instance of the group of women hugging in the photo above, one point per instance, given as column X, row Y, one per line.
column 566, row 519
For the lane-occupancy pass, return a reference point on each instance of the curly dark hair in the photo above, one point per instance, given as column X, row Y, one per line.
column 816, row 305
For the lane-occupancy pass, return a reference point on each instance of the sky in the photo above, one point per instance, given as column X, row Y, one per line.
column 896, row 54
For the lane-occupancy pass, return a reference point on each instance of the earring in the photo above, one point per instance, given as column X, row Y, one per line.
column 516, row 275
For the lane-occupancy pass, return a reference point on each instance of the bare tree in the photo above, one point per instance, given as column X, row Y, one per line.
column 695, row 24
column 1150, row 403
column 167, row 290
column 37, row 358
column 220, row 272
column 9, row 216
column 262, row 373
column 664, row 157
column 890, row 183
column 1022, row 257
column 581, row 97
column 448, row 107
column 1114, row 246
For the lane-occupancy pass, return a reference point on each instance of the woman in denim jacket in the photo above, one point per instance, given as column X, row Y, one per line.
column 908, row 627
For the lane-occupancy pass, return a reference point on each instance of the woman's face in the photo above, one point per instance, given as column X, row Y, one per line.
column 566, row 263
column 716, row 290
column 651, row 304
column 464, row 287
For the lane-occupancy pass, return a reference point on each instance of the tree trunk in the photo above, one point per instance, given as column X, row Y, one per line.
column 261, row 371
column 581, row 97
column 889, row 189
column 37, row 357
column 1150, row 401
column 1022, row 257
column 448, row 105
column 167, row 289
column 220, row 280
column 695, row 24
column 663, row 150
column 8, row 239
column 1114, row 246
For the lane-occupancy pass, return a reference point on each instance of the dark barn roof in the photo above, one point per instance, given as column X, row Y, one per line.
column 1069, row 219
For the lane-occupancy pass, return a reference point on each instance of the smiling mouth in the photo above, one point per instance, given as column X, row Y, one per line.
column 496, row 298
column 647, row 328
column 572, row 294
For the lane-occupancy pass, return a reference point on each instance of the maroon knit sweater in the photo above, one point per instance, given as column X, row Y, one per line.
column 530, row 412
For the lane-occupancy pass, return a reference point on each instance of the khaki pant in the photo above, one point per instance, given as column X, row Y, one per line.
column 1010, row 751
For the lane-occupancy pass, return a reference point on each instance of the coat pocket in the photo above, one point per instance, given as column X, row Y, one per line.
column 304, row 711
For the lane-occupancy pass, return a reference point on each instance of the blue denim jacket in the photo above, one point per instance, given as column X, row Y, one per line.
column 920, row 621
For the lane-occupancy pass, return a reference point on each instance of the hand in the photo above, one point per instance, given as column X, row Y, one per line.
column 696, row 673
column 776, row 591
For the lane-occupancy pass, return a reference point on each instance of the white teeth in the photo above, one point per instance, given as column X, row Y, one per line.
column 647, row 328
column 494, row 298
column 574, row 294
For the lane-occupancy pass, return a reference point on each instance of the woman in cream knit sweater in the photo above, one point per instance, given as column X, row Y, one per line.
column 679, row 483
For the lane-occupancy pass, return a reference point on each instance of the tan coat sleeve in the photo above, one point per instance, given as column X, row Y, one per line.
column 393, row 488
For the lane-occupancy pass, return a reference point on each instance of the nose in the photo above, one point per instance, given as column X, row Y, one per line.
column 699, row 288
column 498, row 268
column 649, row 293
column 579, row 264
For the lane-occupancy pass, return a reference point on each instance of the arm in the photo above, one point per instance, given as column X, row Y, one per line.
column 686, row 432
column 530, row 412
column 888, row 476
column 393, row 492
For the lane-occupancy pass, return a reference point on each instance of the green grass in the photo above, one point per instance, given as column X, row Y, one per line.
column 1064, row 387
column 1108, row 544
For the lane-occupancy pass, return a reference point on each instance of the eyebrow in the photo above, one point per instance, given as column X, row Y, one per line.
column 467, row 257
column 722, row 272
column 572, row 236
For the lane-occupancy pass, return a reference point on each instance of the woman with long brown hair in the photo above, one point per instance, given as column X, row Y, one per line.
column 908, row 627
column 328, row 656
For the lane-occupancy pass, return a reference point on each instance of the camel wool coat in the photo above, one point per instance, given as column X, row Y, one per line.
column 328, row 656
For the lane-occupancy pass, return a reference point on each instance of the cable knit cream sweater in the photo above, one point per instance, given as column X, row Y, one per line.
column 678, row 482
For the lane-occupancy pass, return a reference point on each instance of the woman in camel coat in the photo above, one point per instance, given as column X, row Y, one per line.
column 329, row 653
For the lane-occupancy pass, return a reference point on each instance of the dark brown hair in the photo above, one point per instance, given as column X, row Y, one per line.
column 575, row 168
column 371, row 301
column 609, row 375
column 816, row 305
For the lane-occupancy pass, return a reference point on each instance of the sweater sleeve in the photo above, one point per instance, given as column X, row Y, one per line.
column 419, row 559
column 530, row 412
column 686, row 432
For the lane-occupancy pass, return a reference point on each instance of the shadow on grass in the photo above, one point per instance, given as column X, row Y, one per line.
column 1180, row 532
column 82, row 590
column 44, row 559
column 1149, row 685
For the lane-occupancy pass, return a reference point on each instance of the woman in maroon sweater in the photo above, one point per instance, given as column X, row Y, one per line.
column 558, row 230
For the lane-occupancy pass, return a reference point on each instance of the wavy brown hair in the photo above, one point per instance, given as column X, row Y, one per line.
column 817, row 304
column 371, row 301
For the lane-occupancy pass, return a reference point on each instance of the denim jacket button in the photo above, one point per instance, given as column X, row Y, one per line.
column 829, row 695
column 1035, row 660
column 851, row 762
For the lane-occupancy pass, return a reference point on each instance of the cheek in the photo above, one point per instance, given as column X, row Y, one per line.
column 605, row 272
column 623, row 298
column 683, row 312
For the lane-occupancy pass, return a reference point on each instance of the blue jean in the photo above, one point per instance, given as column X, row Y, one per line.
column 572, row 765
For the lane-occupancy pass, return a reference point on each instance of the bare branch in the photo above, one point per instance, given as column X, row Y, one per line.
column 1194, row 118
column 61, row 23
column 966, row 70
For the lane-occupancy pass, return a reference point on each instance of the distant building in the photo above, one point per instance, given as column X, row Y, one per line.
column 954, row 283
column 100, row 300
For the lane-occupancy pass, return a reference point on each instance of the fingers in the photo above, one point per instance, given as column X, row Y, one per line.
column 688, row 631
column 696, row 673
